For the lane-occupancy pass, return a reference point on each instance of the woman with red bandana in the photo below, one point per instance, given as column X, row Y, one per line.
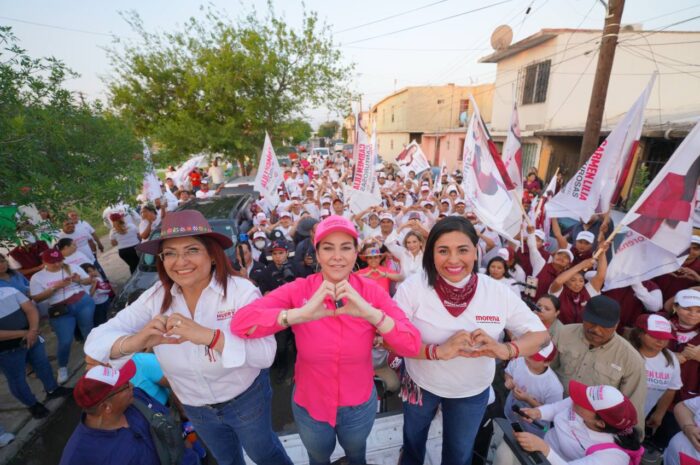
column 460, row 315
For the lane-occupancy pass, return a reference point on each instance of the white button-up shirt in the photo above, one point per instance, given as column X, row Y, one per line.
column 193, row 377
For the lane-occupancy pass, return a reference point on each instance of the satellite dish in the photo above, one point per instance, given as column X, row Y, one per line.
column 501, row 37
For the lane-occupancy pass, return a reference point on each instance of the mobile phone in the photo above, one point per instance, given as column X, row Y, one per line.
column 519, row 411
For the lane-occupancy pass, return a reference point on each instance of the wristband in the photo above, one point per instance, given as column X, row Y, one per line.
column 285, row 322
column 516, row 348
column 121, row 344
column 215, row 338
column 510, row 351
column 381, row 320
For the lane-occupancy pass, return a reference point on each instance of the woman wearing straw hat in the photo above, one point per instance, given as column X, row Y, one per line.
column 335, row 316
column 221, row 380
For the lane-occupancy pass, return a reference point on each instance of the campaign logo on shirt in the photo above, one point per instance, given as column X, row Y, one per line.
column 682, row 338
column 658, row 378
column 225, row 314
column 495, row 319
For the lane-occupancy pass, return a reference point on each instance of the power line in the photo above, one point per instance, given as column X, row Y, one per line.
column 390, row 17
column 61, row 28
column 428, row 23
column 389, row 49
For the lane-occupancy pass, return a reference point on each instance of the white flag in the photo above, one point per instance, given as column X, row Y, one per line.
column 512, row 152
column 180, row 175
column 413, row 159
column 483, row 184
column 438, row 181
column 592, row 187
column 364, row 161
column 151, row 184
column 659, row 225
column 269, row 175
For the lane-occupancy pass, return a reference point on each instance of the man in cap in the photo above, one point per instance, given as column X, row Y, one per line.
column 112, row 430
column 280, row 271
column 205, row 192
column 593, row 353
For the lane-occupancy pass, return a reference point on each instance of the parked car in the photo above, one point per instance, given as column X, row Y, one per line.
column 338, row 146
column 321, row 152
column 227, row 215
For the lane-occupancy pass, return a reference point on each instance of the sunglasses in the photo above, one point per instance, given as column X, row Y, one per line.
column 118, row 391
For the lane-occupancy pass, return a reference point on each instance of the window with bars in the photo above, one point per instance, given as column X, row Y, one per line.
column 535, row 82
column 531, row 157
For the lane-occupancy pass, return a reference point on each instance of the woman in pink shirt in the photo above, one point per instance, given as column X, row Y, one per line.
column 335, row 316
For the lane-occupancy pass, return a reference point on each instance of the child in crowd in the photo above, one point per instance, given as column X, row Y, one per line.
column 549, row 313
column 531, row 383
column 100, row 291
column 650, row 337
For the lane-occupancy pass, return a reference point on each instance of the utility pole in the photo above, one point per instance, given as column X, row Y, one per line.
column 591, row 134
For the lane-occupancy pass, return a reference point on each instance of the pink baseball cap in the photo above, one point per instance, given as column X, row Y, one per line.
column 334, row 223
column 614, row 408
column 545, row 355
column 655, row 326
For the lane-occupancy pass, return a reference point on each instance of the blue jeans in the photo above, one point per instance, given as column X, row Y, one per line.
column 12, row 364
column 460, row 423
column 100, row 315
column 80, row 313
column 353, row 425
column 245, row 422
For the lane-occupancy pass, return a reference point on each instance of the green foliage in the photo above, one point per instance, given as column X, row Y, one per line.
column 58, row 150
column 641, row 181
column 217, row 85
column 296, row 130
column 328, row 129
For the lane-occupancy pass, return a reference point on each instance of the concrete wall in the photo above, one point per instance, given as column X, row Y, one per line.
column 676, row 93
column 450, row 148
column 418, row 110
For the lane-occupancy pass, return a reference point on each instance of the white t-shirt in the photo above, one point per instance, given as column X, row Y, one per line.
column 81, row 237
column 44, row 279
column 129, row 239
column 570, row 438
column 205, row 195
column 545, row 388
column 143, row 225
column 102, row 291
column 680, row 442
column 368, row 231
column 217, row 174
column 660, row 377
column 77, row 259
column 491, row 310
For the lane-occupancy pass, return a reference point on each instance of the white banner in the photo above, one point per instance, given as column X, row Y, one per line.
column 512, row 152
column 483, row 184
column 592, row 187
column 269, row 175
column 359, row 201
column 151, row 184
column 660, row 223
column 413, row 159
column 180, row 175
column 364, row 161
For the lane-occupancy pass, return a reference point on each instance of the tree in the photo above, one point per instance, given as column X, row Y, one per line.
column 328, row 129
column 218, row 85
column 58, row 150
column 296, row 130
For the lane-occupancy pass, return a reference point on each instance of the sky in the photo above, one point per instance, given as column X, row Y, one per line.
column 446, row 51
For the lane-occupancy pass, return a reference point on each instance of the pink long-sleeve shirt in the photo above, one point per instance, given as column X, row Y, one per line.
column 334, row 354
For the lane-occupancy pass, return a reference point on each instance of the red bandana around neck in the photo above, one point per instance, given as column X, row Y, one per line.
column 455, row 299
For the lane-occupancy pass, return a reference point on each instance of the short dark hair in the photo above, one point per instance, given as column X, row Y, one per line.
column 64, row 242
column 446, row 225
column 500, row 260
column 554, row 299
column 87, row 267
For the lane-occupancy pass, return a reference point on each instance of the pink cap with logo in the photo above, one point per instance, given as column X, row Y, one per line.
column 334, row 223
column 614, row 408
column 655, row 326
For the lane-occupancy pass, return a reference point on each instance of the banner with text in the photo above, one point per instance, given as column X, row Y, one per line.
column 592, row 188
column 364, row 161
column 660, row 224
column 269, row 175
